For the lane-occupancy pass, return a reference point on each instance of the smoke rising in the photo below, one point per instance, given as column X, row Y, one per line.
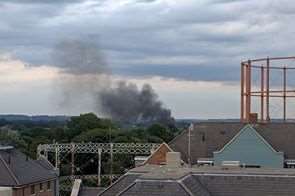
column 85, row 74
column 127, row 103
column 79, row 58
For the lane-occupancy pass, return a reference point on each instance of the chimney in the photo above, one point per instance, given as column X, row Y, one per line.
column 173, row 159
column 253, row 118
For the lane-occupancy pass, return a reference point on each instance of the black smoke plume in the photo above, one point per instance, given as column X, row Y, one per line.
column 126, row 103
column 89, row 76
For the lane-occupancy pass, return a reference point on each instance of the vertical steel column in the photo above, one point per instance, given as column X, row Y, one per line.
column 73, row 159
column 99, row 167
column 191, row 127
column 248, row 91
column 267, row 89
column 46, row 154
column 242, row 93
column 262, row 95
column 111, row 165
column 284, row 90
column 56, row 156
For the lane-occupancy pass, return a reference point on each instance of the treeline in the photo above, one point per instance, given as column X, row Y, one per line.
column 84, row 128
column 26, row 136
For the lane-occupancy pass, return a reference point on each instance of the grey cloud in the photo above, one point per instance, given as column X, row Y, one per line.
column 41, row 1
column 221, row 33
column 187, row 72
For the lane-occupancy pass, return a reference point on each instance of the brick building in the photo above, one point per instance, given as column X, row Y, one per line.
column 22, row 176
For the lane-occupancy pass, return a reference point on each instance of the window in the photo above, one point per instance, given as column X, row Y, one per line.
column 48, row 185
column 32, row 189
column 41, row 186
column 252, row 166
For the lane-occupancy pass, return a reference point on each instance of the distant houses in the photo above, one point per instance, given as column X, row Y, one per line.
column 217, row 159
column 268, row 145
column 22, row 176
column 169, row 179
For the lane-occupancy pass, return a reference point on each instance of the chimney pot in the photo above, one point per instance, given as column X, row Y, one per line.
column 173, row 159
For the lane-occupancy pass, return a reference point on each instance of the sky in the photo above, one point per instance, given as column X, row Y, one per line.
column 189, row 50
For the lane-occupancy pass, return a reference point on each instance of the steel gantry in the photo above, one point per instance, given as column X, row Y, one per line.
column 65, row 149
column 264, row 69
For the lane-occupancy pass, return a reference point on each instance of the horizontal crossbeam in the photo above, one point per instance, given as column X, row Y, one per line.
column 115, row 148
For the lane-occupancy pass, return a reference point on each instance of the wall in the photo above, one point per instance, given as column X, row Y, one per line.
column 250, row 148
column 26, row 191
column 5, row 191
column 159, row 156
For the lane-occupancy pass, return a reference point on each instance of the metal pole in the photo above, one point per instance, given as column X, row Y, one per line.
column 99, row 167
column 262, row 95
column 73, row 159
column 284, row 96
column 111, row 165
column 242, row 93
column 248, row 91
column 267, row 89
column 56, row 156
column 189, row 144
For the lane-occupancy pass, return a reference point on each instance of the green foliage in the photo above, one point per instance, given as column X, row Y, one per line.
column 160, row 131
column 85, row 122
column 85, row 128
column 96, row 135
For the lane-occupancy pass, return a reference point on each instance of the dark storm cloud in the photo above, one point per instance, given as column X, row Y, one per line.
column 147, row 38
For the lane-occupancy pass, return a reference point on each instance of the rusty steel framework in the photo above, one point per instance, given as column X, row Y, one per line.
column 265, row 66
column 61, row 151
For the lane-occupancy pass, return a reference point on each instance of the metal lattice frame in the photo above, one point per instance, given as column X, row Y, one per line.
column 265, row 66
column 115, row 148
column 92, row 148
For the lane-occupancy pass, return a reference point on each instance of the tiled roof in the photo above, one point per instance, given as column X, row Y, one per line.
column 17, row 169
column 212, row 181
column 208, row 137
column 195, row 186
column 90, row 191
column 155, row 188
column 121, row 184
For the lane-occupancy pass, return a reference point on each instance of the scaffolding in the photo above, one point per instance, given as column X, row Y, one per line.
column 265, row 91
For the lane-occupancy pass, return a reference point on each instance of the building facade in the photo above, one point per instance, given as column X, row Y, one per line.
column 257, row 145
column 22, row 176
column 249, row 149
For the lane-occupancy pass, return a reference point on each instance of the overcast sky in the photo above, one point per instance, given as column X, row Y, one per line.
column 188, row 50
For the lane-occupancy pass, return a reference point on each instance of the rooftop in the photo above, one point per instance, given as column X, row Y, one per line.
column 17, row 169
column 206, row 181
column 208, row 137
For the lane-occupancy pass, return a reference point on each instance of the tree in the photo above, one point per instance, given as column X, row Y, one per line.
column 160, row 131
column 85, row 122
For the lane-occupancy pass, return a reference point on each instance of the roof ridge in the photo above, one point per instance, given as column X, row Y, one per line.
column 196, row 179
column 127, row 188
column 116, row 182
column 156, row 150
column 186, row 189
column 180, row 134
column 243, row 129
column 9, row 170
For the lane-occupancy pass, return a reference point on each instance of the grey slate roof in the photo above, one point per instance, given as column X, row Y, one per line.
column 195, row 186
column 121, row 184
column 211, row 181
column 155, row 188
column 208, row 137
column 90, row 191
column 17, row 169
